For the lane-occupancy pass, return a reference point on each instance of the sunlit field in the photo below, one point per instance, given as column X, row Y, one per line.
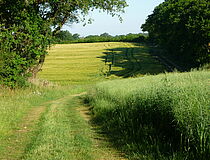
column 91, row 62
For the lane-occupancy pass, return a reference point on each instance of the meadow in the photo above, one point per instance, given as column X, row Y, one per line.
column 149, row 113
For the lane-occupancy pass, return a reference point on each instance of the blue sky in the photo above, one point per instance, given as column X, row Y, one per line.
column 134, row 16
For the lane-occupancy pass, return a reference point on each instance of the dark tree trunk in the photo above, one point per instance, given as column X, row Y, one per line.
column 35, row 69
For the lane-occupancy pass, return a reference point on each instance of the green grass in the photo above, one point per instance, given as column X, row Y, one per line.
column 62, row 134
column 14, row 107
column 74, row 65
column 156, row 117
column 85, row 63
column 14, row 104
column 58, row 132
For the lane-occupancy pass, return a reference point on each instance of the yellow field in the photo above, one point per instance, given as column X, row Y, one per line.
column 91, row 62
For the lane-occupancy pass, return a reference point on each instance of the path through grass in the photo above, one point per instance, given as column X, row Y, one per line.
column 19, row 110
column 63, row 134
column 56, row 130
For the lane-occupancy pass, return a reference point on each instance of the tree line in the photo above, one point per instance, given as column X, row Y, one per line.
column 65, row 37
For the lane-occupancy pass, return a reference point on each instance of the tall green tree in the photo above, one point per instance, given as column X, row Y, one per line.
column 64, row 36
column 76, row 36
column 105, row 35
column 182, row 28
column 27, row 26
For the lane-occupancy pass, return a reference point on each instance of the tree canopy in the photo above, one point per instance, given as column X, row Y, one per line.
column 181, row 27
column 27, row 27
column 63, row 36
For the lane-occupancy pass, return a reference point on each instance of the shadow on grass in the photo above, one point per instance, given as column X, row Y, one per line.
column 106, row 147
column 139, row 133
column 130, row 61
column 143, row 143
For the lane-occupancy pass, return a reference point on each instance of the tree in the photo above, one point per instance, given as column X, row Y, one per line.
column 27, row 26
column 105, row 35
column 181, row 27
column 76, row 36
column 64, row 36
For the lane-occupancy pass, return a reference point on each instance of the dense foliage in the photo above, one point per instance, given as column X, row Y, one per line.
column 159, row 117
column 24, row 38
column 181, row 27
column 27, row 26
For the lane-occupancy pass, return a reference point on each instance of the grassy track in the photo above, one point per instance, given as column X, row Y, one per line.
column 64, row 134
column 20, row 110
column 61, row 134
column 89, row 63
column 52, row 128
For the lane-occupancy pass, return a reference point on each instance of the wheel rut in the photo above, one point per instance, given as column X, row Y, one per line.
column 101, row 144
column 21, row 136
column 17, row 143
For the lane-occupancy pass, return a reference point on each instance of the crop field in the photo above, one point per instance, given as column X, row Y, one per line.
column 92, row 62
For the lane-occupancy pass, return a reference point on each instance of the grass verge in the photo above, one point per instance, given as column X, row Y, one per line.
column 156, row 117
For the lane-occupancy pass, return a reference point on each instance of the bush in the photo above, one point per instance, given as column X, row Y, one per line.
column 21, row 49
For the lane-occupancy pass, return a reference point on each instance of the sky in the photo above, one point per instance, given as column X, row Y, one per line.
column 134, row 16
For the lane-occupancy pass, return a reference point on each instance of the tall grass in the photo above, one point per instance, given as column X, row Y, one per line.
column 157, row 117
